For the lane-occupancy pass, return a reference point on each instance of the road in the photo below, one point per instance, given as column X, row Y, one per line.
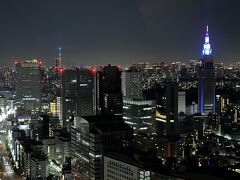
column 8, row 172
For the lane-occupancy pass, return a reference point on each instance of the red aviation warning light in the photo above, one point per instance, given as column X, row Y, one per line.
column 61, row 70
column 94, row 70
column 16, row 61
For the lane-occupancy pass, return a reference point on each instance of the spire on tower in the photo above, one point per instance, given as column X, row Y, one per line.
column 207, row 47
column 60, row 56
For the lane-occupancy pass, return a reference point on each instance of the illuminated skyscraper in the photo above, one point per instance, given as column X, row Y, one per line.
column 206, row 87
column 132, row 84
column 78, row 94
column 138, row 113
column 28, row 88
column 182, row 101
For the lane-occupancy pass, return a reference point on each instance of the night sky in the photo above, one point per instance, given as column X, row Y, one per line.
column 118, row 31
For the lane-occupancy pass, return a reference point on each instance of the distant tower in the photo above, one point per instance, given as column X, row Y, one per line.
column 59, row 59
column 60, row 56
column 206, row 87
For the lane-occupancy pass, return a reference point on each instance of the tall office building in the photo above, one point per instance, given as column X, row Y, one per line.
column 58, row 60
column 69, row 94
column 132, row 84
column 182, row 102
column 138, row 113
column 167, row 108
column 109, row 92
column 86, row 93
column 206, row 87
column 62, row 145
column 28, row 85
column 39, row 166
column 91, row 136
column 222, row 101
column 60, row 110
column 78, row 94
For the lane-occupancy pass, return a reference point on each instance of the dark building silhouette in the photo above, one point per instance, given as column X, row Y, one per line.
column 45, row 125
column 167, row 108
column 109, row 97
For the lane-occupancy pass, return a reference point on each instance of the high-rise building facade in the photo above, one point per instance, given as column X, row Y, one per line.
column 132, row 84
column 90, row 137
column 138, row 113
column 182, row 102
column 206, row 87
column 109, row 91
column 59, row 105
column 222, row 101
column 167, row 108
column 39, row 166
column 78, row 93
column 129, row 165
column 28, row 85
column 69, row 94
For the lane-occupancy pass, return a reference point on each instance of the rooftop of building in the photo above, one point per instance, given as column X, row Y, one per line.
column 113, row 128
column 106, row 123
column 62, row 134
column 39, row 156
column 135, row 157
column 103, row 119
column 28, row 143
column 160, row 176
column 210, row 173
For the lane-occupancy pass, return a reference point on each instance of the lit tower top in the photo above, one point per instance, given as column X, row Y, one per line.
column 207, row 47
column 59, row 56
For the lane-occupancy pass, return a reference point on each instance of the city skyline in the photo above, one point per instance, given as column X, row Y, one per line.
column 117, row 33
column 119, row 90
